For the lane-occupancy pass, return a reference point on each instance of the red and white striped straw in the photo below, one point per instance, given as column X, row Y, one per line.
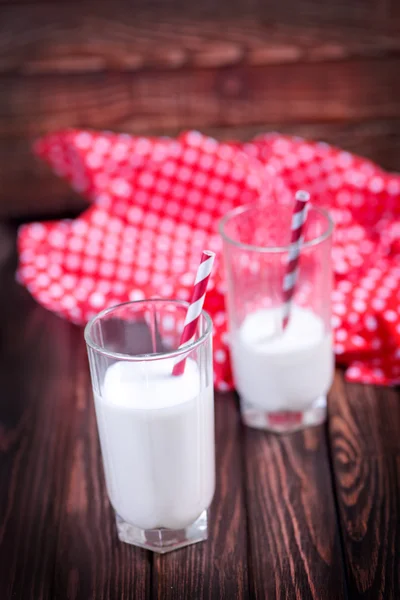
column 196, row 305
column 292, row 268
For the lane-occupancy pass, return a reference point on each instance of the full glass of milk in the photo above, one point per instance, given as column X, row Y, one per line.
column 156, row 429
column 282, row 375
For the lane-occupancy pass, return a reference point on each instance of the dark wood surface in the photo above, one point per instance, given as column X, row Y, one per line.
column 314, row 515
column 326, row 70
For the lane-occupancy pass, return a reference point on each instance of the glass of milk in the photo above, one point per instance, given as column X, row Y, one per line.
column 282, row 375
column 156, row 429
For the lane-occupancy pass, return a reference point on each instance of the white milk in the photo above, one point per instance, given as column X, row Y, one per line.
column 279, row 371
column 157, row 439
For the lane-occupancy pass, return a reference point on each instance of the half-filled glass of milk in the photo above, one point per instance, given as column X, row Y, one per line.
column 282, row 369
column 156, row 428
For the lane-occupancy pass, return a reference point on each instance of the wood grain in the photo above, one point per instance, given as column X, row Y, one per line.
column 28, row 187
column 82, row 37
column 221, row 561
column 91, row 562
column 364, row 434
column 35, row 431
column 274, row 530
column 354, row 90
column 294, row 546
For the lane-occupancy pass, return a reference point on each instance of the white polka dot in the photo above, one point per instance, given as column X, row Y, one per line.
column 339, row 348
column 368, row 284
column 27, row 256
column 168, row 322
column 357, row 340
column 353, row 372
column 360, row 293
column 37, row 231
column 75, row 244
column 72, row 261
column 141, row 277
column 169, row 169
column 335, row 321
column 353, row 318
column 345, row 286
column 158, row 279
column 54, row 271
column 222, row 386
column 378, row 304
column 104, row 286
column 219, row 319
column 135, row 214
column 371, row 323
column 81, row 293
column 55, row 290
column 393, row 187
column 222, row 168
column 376, row 184
column 79, row 227
column 359, row 306
column 337, row 296
column 339, row 309
column 43, row 280
column 383, row 292
column 190, row 156
column 68, row 302
column 42, row 261
column 341, row 335
column 220, row 356
column 231, row 191
column 119, row 287
column 96, row 300
column 28, row 271
column 89, row 265
column 390, row 316
column 94, row 160
column 83, row 140
column 100, row 217
column 136, row 295
column 341, row 267
column 225, row 152
column 75, row 313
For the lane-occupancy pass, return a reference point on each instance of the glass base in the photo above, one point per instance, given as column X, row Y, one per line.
column 163, row 540
column 284, row 421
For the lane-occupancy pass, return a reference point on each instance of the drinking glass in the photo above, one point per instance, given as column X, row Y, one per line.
column 156, row 429
column 282, row 374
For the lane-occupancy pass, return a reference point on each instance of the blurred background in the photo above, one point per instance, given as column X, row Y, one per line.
column 231, row 68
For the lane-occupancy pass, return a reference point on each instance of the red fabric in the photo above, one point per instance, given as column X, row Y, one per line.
column 155, row 204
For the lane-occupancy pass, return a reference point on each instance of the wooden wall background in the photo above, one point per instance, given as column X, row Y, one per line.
column 232, row 68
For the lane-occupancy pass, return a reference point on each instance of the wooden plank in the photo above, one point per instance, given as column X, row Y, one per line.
column 335, row 91
column 294, row 540
column 57, row 535
column 365, row 437
column 91, row 562
column 46, row 38
column 35, row 428
column 28, row 187
column 216, row 568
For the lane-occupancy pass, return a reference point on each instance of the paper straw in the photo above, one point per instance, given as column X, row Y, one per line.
column 196, row 305
column 292, row 267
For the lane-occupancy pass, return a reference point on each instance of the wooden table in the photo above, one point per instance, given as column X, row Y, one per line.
column 310, row 515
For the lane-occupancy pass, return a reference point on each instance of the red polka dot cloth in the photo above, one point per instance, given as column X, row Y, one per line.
column 155, row 204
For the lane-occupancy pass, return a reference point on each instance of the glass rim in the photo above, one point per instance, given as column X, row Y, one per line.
column 185, row 349
column 273, row 249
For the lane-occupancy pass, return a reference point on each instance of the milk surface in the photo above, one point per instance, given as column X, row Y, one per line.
column 279, row 371
column 157, row 439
